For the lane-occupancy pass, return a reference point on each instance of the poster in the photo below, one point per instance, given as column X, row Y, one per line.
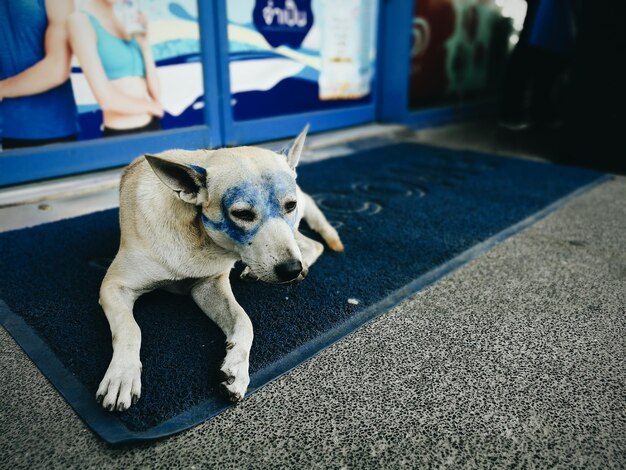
column 285, row 57
column 293, row 56
column 116, row 69
column 174, row 39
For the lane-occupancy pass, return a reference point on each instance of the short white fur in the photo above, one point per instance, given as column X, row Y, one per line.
column 164, row 244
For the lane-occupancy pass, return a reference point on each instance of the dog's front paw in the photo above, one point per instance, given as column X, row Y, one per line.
column 121, row 386
column 302, row 276
column 248, row 275
column 234, row 373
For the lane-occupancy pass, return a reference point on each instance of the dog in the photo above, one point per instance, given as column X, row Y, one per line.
column 186, row 217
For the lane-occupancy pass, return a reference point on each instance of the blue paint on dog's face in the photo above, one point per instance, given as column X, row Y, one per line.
column 279, row 187
column 198, row 169
column 266, row 198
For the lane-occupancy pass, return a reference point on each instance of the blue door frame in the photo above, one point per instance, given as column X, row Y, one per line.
column 389, row 103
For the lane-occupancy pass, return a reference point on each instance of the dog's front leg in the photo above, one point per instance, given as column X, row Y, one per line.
column 215, row 297
column 310, row 249
column 121, row 385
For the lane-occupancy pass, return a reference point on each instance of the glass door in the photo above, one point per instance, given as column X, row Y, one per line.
column 292, row 62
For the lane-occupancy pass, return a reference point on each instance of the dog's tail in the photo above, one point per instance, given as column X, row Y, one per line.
column 317, row 221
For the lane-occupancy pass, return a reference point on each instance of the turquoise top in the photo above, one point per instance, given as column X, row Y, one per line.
column 119, row 57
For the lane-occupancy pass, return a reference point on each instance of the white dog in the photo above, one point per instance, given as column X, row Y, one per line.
column 186, row 217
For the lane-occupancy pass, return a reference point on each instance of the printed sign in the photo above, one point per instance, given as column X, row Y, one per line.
column 346, row 42
column 294, row 56
column 283, row 22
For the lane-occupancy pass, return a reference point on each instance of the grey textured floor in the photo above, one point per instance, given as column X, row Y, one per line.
column 517, row 359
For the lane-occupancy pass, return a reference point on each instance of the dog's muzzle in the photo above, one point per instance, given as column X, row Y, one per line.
column 288, row 271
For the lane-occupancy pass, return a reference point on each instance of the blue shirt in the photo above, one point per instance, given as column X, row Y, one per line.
column 553, row 27
column 46, row 115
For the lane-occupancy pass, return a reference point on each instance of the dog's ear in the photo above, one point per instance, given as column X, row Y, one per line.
column 188, row 181
column 294, row 149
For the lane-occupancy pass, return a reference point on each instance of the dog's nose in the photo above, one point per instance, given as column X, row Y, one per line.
column 289, row 270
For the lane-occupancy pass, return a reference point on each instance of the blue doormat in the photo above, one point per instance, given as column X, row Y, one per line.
column 408, row 214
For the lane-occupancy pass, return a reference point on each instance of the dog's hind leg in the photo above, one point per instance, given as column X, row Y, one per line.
column 317, row 221
column 121, row 385
column 215, row 297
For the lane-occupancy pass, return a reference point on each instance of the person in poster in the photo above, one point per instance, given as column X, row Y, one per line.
column 117, row 61
column 36, row 97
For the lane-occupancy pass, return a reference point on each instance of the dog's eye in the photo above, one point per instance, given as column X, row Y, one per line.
column 244, row 214
column 290, row 206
